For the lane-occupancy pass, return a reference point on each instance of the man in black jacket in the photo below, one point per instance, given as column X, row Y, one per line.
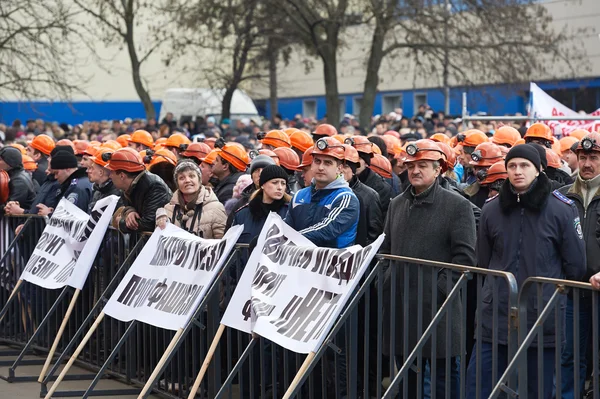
column 143, row 192
column 20, row 186
column 585, row 193
column 74, row 183
column 230, row 164
column 527, row 230
column 370, row 220
column 39, row 149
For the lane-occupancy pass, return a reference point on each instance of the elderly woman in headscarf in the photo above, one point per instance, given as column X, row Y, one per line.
column 193, row 207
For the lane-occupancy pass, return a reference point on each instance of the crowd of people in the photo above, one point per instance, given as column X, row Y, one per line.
column 504, row 197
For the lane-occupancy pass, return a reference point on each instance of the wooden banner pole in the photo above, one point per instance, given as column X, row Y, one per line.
column 206, row 363
column 299, row 375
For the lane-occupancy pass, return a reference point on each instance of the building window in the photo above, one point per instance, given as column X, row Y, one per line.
column 356, row 105
column 420, row 98
column 342, row 107
column 390, row 103
column 309, row 108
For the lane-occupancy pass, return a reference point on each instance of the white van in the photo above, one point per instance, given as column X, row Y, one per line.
column 190, row 104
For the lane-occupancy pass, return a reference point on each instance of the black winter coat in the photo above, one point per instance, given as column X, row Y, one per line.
column 370, row 219
column 447, row 184
column 590, row 222
column 101, row 191
column 224, row 190
column 530, row 234
column 20, row 188
column 147, row 193
column 253, row 216
column 436, row 225
column 560, row 177
column 77, row 189
column 46, row 195
column 381, row 187
column 40, row 173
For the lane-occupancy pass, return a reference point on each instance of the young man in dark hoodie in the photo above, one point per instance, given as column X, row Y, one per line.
column 20, row 186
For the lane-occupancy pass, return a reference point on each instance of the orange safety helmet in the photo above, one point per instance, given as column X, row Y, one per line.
column 486, row 154
column 325, row 129
column 567, row 142
column 540, row 131
column 161, row 141
column 288, row 158
column 196, row 150
column 330, row 147
column 440, row 138
column 556, row 146
column 162, row 155
column 381, row 165
column 423, row 149
column 275, row 138
column 80, row 146
column 307, row 157
column 254, row 153
column 376, row 149
column 235, row 156
column 126, row 159
column 98, row 159
column 392, row 143
column 301, row 140
column 350, row 154
column 579, row 133
column 591, row 142
column 519, row 142
column 29, row 163
column 450, row 156
column 290, row 130
column 142, row 137
column 210, row 142
column 176, row 139
column 339, row 137
column 392, row 133
column 4, row 192
column 18, row 147
column 91, row 150
column 494, row 173
column 43, row 143
column 66, row 142
column 95, row 142
column 123, row 140
column 506, row 135
column 472, row 138
column 210, row 158
column 553, row 159
column 361, row 143
column 111, row 144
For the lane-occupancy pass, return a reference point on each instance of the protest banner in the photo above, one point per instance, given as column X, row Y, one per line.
column 543, row 105
column 164, row 286
column 291, row 292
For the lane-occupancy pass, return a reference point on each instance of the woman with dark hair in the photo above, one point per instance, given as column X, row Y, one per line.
column 193, row 207
column 270, row 197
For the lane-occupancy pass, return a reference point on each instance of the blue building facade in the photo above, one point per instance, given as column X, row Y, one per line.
column 577, row 94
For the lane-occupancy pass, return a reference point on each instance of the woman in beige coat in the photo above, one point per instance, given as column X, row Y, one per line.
column 193, row 207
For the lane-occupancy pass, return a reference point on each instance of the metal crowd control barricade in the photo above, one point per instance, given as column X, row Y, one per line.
column 547, row 296
column 355, row 361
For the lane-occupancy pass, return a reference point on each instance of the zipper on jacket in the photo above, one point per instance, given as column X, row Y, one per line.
column 518, row 198
column 520, row 241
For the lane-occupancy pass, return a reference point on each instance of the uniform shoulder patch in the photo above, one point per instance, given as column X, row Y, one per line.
column 73, row 198
column 562, row 197
column 491, row 198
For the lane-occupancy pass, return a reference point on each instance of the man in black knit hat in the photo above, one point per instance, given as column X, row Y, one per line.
column 74, row 183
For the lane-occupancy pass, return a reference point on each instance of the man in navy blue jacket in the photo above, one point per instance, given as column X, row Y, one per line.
column 527, row 230
column 326, row 212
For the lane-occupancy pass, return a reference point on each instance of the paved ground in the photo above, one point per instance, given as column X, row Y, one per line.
column 32, row 389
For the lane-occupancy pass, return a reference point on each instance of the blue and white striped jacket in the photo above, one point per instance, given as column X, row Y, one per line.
column 327, row 217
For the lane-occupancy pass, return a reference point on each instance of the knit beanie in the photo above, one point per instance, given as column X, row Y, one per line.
column 186, row 164
column 58, row 148
column 261, row 161
column 272, row 172
column 542, row 151
column 63, row 160
column 524, row 151
column 12, row 157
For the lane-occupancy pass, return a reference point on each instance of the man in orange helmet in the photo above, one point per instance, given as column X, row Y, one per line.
column 484, row 156
column 585, row 194
column 143, row 192
column 141, row 140
column 230, row 164
column 423, row 205
column 39, row 149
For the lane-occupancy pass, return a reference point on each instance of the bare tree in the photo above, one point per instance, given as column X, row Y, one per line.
column 467, row 42
column 39, row 43
column 115, row 23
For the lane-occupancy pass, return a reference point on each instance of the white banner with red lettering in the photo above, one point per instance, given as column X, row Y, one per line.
column 542, row 105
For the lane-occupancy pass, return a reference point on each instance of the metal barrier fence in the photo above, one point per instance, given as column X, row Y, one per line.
column 566, row 322
column 407, row 332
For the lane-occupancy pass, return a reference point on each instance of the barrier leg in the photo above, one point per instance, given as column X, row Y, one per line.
column 206, row 363
column 110, row 358
column 59, row 334
column 74, row 356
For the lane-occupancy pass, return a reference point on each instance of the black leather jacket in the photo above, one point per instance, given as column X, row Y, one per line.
column 370, row 220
